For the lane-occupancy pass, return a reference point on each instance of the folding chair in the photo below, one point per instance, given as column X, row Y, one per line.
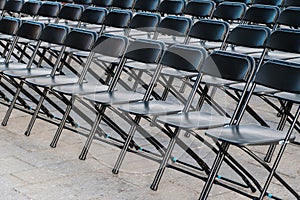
column 118, row 21
column 12, row 7
column 146, row 6
column 30, row 9
column 53, row 34
column 70, row 13
column 222, row 65
column 171, row 7
column 48, row 11
column 143, row 25
column 269, row 2
column 231, row 12
column 262, row 15
column 180, row 57
column 93, row 17
column 142, row 52
column 83, row 2
column 270, row 75
column 82, row 40
column 107, row 46
column 199, row 9
column 173, row 26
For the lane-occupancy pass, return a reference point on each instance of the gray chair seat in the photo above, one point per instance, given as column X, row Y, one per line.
column 215, row 81
column 177, row 73
column 150, row 108
column 28, row 73
column 141, row 66
column 288, row 96
column 247, row 135
column 79, row 89
column 194, row 120
column 259, row 89
column 115, row 97
column 48, row 81
column 12, row 66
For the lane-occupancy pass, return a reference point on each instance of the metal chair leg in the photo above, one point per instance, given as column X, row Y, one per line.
column 12, row 104
column 92, row 133
column 62, row 124
column 37, row 109
column 126, row 145
column 165, row 160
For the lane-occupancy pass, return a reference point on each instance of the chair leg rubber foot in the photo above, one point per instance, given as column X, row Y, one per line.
column 27, row 133
column 53, row 144
column 153, row 187
column 115, row 171
column 83, row 154
column 4, row 123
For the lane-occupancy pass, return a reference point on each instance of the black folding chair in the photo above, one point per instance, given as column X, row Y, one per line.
column 92, row 18
column 270, row 74
column 102, row 3
column 30, row 9
column 70, row 13
column 48, row 11
column 222, row 65
column 171, row 7
column 53, row 34
column 123, row 4
column 117, row 21
column 199, row 9
column 110, row 46
column 142, row 52
column 179, row 57
column 82, row 40
column 12, row 7
column 146, row 6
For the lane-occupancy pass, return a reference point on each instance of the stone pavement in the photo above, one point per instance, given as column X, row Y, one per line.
column 30, row 169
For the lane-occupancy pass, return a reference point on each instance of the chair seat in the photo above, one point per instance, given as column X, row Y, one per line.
column 141, row 66
column 244, row 135
column 177, row 73
column 79, row 89
column 148, row 108
column 215, row 81
column 194, row 120
column 259, row 89
column 48, row 81
column 28, row 73
column 115, row 97
column 288, row 96
column 12, row 66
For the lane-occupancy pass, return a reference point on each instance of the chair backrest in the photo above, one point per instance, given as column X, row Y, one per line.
column 9, row 25
column 81, row 39
column 93, row 15
column 199, row 9
column 102, row 3
column 54, row 34
column 279, row 75
column 31, row 8
column 13, row 6
column 249, row 36
column 123, row 4
column 290, row 17
column 286, row 40
column 118, row 18
column 49, row 9
column 110, row 45
column 71, row 12
column 149, row 5
column 174, row 25
column 83, row 2
column 262, row 14
column 241, row 1
column 228, row 65
column 230, row 11
column 171, row 7
column 210, row 30
column 147, row 22
column 146, row 51
column 288, row 3
column 184, row 57
column 268, row 2
column 30, row 30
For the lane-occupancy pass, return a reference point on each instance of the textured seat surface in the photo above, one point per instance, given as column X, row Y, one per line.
column 115, row 97
column 259, row 89
column 48, row 81
column 27, row 73
column 194, row 120
column 247, row 135
column 151, row 108
column 84, row 88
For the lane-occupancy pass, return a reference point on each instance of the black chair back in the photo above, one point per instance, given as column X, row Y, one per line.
column 118, row 18
column 31, row 8
column 54, row 34
column 81, row 39
column 93, row 15
column 199, row 9
column 49, row 9
column 149, row 5
column 71, row 12
column 147, row 22
column 230, row 11
column 262, row 14
column 30, row 30
column 171, row 7
column 9, row 25
column 176, row 26
column 290, row 17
